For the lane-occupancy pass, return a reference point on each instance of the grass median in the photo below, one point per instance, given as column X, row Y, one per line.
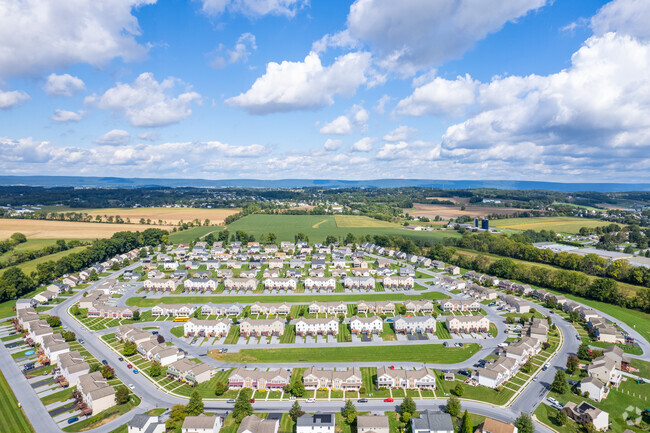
column 426, row 353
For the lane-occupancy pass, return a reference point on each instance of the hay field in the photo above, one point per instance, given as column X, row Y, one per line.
column 41, row 229
column 168, row 215
column 558, row 224
column 446, row 211
column 358, row 221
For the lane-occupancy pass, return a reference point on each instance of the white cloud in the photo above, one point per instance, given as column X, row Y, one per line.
column 401, row 133
column 149, row 136
column 339, row 126
column 254, row 8
column 363, row 145
column 440, row 97
column 338, row 40
column 360, row 115
column 381, row 104
column 40, row 35
column 63, row 85
column 411, row 35
column 114, row 137
column 12, row 98
column 391, row 151
column 309, row 85
column 147, row 102
column 625, row 17
column 66, row 116
column 242, row 49
column 332, row 144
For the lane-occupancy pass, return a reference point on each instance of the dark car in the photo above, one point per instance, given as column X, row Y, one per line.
column 105, row 362
column 464, row 373
column 362, row 400
column 120, row 359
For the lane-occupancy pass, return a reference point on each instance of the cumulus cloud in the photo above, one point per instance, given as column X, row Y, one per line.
column 338, row 40
column 63, row 85
column 64, row 116
column 40, row 35
column 339, row 126
column 625, row 17
column 114, row 137
column 363, row 145
column 147, row 102
column 332, row 144
column 381, row 104
column 254, row 8
column 592, row 117
column 12, row 98
column 440, row 97
column 149, row 136
column 401, row 133
column 411, row 35
column 307, row 85
column 242, row 49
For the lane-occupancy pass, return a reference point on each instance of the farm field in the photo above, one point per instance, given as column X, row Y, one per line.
column 559, row 224
column 45, row 229
column 150, row 302
column 30, row 245
column 30, row 266
column 317, row 227
column 429, row 353
column 168, row 215
column 447, row 211
column 189, row 235
column 11, row 414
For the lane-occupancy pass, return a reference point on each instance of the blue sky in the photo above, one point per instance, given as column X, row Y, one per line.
column 456, row 89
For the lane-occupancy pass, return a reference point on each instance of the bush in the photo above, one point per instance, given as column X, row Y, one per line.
column 458, row 390
column 122, row 395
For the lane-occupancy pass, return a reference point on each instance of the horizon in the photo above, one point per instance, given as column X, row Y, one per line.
column 544, row 91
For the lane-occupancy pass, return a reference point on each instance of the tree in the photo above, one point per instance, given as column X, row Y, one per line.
column 349, row 412
column 160, row 339
column 93, row 276
column 107, row 372
column 195, row 405
column 94, row 367
column 572, row 363
column 136, row 315
column 115, row 266
column 467, row 423
column 68, row 336
column 561, row 418
column 122, row 395
column 458, row 390
column 330, row 239
column 54, row 321
column 524, row 423
column 453, row 406
column 560, row 384
column 243, row 406
column 75, row 309
column 220, row 388
column 19, row 238
column 408, row 405
column 584, row 352
column 155, row 370
column 129, row 349
column 177, row 415
column 298, row 388
column 296, row 411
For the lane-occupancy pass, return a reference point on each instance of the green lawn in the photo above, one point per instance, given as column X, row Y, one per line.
column 430, row 353
column 177, row 331
column 105, row 416
column 58, row 396
column 12, row 416
column 317, row 227
column 388, row 334
column 30, row 266
column 187, row 236
column 141, row 302
column 558, row 224
column 643, row 366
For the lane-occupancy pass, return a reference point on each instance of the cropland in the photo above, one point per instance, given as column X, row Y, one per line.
column 569, row 225
column 448, row 211
column 46, row 229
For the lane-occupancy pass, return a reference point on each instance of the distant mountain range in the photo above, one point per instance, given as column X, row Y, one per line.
column 119, row 182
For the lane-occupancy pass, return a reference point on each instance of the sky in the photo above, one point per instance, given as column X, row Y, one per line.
column 548, row 90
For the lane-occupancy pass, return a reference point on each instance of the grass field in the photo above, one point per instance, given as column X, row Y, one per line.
column 558, row 224
column 187, row 236
column 168, row 215
column 429, row 353
column 141, row 302
column 317, row 227
column 30, row 245
column 13, row 417
column 42, row 229
column 30, row 266
column 449, row 211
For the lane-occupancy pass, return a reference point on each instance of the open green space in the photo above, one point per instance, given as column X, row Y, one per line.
column 317, row 227
column 558, row 224
column 147, row 302
column 187, row 236
column 30, row 266
column 429, row 353
column 12, row 416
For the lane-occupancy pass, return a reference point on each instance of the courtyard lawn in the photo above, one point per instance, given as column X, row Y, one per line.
column 13, row 417
column 430, row 353
column 388, row 334
column 177, row 331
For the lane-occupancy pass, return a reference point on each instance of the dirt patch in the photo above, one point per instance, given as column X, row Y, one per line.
column 315, row 226
column 449, row 211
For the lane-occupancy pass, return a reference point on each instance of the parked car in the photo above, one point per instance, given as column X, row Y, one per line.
column 310, row 400
column 362, row 400
column 73, row 419
column 252, row 400
column 120, row 359
column 552, row 400
column 535, row 378
column 136, row 371
column 105, row 362
column 464, row 373
column 389, row 400
column 132, row 386
column 231, row 401
column 129, row 366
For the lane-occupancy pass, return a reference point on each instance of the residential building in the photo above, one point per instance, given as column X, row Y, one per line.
column 596, row 389
column 272, row 379
column 176, row 310
column 460, row 305
column 143, row 423
column 432, row 422
column 201, row 284
column 604, row 369
column 366, row 325
column 421, row 306
column 491, row 425
column 584, row 413
column 396, row 282
column 261, row 327
column 328, row 307
column 240, row 283
column 316, row 423
column 221, row 309
column 372, row 424
column 255, row 424
column 329, row 326
column 377, row 307
column 423, row 378
column 190, row 372
column 414, row 324
column 514, row 304
column 348, row 380
column 96, row 392
column 275, row 309
column 72, row 366
column 201, row 424
column 320, row 283
column 206, row 328
column 467, row 324
column 359, row 282
column 160, row 284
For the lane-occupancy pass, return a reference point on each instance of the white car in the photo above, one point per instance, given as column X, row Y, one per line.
column 310, row 400
column 132, row 386
column 552, row 401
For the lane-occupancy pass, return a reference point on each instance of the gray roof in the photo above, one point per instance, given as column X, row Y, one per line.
column 318, row 419
column 432, row 421
column 140, row 420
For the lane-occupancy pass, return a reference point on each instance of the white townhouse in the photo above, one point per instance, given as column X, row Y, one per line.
column 160, row 284
column 328, row 326
column 396, row 282
column 176, row 310
column 328, row 307
column 423, row 378
column 460, row 305
column 366, row 325
column 240, row 283
column 201, row 284
column 414, row 324
column 348, row 379
column 206, row 328
column 279, row 309
column 280, row 283
column 466, row 324
column 210, row 309
column 421, row 306
column 359, row 282
column 320, row 283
